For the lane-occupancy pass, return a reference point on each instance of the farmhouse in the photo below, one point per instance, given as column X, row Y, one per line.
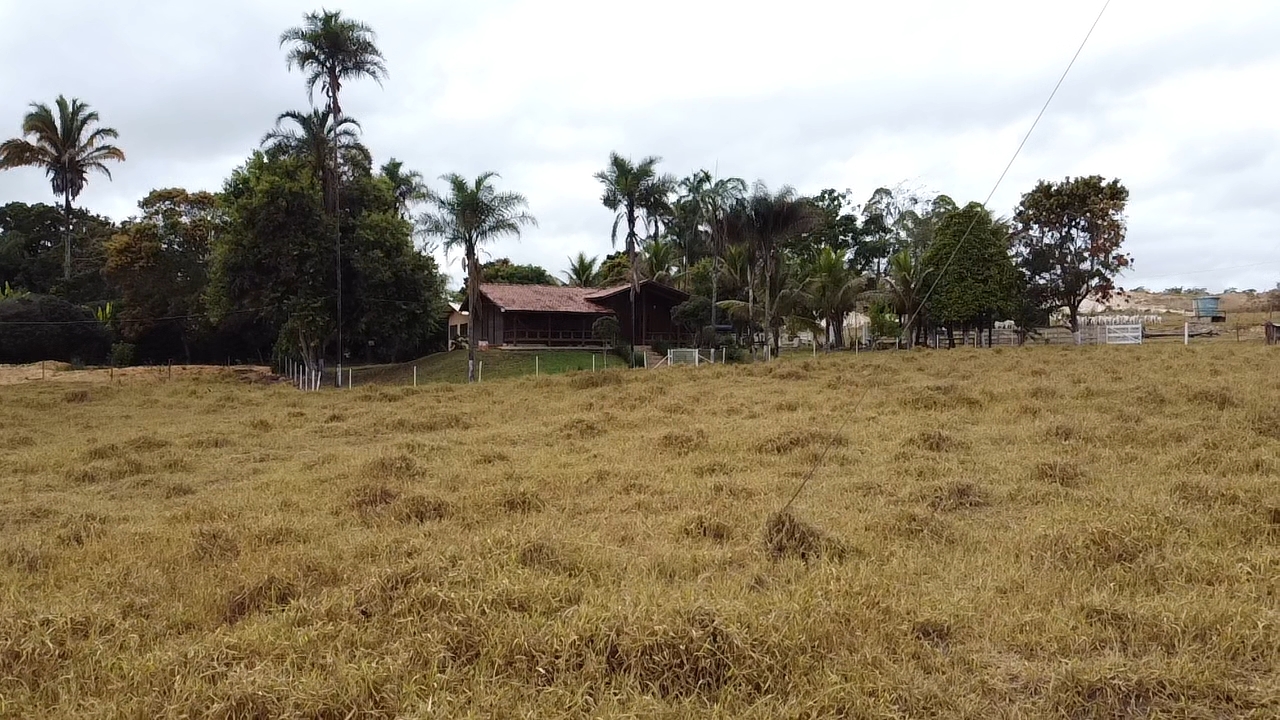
column 562, row 316
column 457, row 325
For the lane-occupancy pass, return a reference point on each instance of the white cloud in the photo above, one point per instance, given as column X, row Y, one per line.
column 1174, row 98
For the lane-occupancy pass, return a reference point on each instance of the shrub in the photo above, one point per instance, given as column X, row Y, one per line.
column 607, row 330
column 123, row 354
column 660, row 347
column 43, row 327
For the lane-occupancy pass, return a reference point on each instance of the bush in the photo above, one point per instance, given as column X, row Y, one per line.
column 606, row 329
column 637, row 359
column 43, row 327
column 123, row 354
column 660, row 347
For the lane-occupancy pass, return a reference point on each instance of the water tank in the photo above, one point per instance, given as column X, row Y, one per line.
column 1207, row 307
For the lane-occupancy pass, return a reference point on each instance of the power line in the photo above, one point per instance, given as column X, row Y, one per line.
column 827, row 450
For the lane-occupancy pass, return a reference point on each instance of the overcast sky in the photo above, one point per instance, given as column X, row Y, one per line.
column 1177, row 99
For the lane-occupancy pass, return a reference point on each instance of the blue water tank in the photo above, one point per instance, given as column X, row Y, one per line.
column 1207, row 306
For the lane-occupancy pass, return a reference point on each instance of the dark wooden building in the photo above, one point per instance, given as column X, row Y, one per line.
column 563, row 316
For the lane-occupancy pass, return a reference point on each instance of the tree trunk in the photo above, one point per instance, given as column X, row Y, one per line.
column 715, row 271
column 1074, row 315
column 473, row 309
column 66, row 238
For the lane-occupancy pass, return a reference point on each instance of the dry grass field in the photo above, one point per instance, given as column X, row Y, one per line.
column 1034, row 533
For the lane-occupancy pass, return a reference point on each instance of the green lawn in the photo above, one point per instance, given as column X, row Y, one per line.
column 498, row 364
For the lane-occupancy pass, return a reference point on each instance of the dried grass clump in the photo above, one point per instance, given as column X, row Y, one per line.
column 521, row 502
column 272, row 592
column 76, row 397
column 1066, row 473
column 147, row 443
column 398, row 467
column 956, row 495
column 27, row 559
column 588, row 381
column 548, row 557
column 936, row 441
column 786, row 536
column 419, row 509
column 214, row 544
column 1266, row 423
column 791, row 441
column 1217, row 398
column 684, row 442
column 703, row 526
column 373, row 497
column 581, row 428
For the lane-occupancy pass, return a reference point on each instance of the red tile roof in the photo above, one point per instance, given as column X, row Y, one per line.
column 558, row 298
column 543, row 298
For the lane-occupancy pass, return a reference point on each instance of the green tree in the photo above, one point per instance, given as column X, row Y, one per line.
column 407, row 185
column 583, row 271
column 159, row 265
column 275, row 261
column 659, row 259
column 614, row 270
column 974, row 277
column 466, row 216
column 834, row 290
column 907, row 284
column 768, row 222
column 636, row 193
column 503, row 270
column 1067, row 240
column 67, row 147
column 330, row 50
column 317, row 137
column 835, row 226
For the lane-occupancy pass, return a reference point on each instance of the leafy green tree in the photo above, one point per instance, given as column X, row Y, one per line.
column 583, row 271
column 275, row 262
column 637, row 193
column 1067, row 240
column 466, row 216
column 659, row 260
column 317, row 137
column 975, row 278
column 503, row 270
column 615, row 270
column 705, row 200
column 907, row 285
column 768, row 222
column 836, row 226
column 834, row 291
column 159, row 265
column 407, row 185
column 67, row 147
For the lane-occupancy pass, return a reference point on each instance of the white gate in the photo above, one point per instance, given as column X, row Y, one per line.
column 1122, row 334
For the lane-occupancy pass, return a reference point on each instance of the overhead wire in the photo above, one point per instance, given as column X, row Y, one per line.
column 804, row 482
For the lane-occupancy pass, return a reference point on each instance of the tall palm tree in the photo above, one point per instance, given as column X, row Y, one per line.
column 637, row 193
column 406, row 185
column 466, row 216
column 317, row 137
column 583, row 271
column 767, row 221
column 331, row 49
column 68, row 148
column 833, row 290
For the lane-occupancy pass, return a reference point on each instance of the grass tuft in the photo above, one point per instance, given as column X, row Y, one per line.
column 786, row 536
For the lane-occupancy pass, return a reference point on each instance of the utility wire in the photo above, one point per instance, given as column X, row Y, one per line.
column 827, row 450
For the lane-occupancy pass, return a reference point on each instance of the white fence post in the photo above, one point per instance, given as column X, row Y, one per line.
column 1186, row 333
column 415, row 376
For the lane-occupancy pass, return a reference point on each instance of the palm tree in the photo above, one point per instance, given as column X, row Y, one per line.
column 637, row 193
column 316, row 137
column 908, row 285
column 659, row 259
column 469, row 215
column 767, row 221
column 583, row 271
column 331, row 50
column 834, row 290
column 67, row 148
column 407, row 185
